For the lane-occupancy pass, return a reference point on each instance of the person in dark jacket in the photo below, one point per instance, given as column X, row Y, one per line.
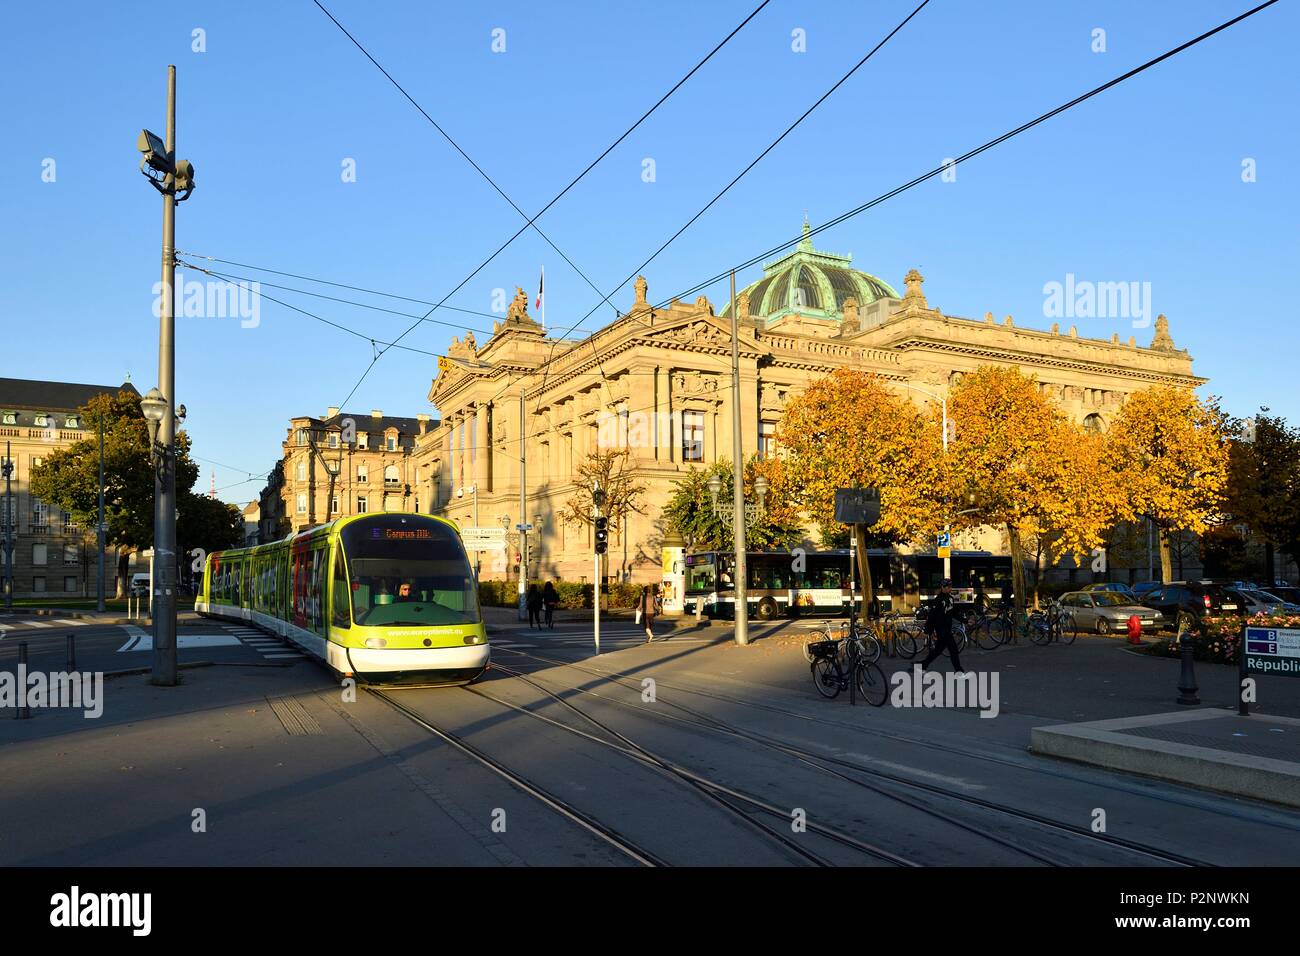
column 550, row 601
column 939, row 621
column 534, row 602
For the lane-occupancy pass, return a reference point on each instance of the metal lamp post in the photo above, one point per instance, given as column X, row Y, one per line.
column 157, row 414
column 8, row 468
column 174, row 179
column 460, row 493
column 727, row 515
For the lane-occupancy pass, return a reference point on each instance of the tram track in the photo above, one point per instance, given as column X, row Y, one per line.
column 730, row 801
column 850, row 770
column 638, row 854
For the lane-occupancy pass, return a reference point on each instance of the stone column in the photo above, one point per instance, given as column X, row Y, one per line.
column 482, row 450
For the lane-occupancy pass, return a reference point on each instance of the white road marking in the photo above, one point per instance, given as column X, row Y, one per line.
column 38, row 624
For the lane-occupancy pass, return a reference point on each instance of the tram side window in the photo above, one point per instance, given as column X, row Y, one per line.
column 342, row 616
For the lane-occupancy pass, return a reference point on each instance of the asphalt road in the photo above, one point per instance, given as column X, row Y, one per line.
column 687, row 751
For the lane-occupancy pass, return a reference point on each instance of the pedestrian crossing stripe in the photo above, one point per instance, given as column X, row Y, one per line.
column 38, row 624
column 76, row 623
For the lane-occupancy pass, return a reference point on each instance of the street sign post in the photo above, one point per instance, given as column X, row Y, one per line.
column 483, row 539
column 1268, row 650
column 857, row 506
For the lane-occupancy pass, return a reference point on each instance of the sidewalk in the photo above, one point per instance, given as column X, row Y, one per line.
column 501, row 620
column 1256, row 756
column 95, row 617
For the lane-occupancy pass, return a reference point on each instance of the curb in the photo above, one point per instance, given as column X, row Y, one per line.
column 1097, row 743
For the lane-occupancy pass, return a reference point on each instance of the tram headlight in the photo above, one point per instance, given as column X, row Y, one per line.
column 376, row 642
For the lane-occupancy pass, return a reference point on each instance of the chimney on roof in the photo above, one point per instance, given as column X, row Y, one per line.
column 376, row 413
column 331, row 412
column 423, row 419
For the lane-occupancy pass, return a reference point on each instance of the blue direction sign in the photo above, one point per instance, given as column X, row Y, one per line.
column 945, row 539
column 1272, row 650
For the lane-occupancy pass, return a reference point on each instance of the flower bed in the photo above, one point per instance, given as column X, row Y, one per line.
column 1217, row 640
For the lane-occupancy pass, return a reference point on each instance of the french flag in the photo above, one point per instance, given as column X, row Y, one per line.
column 541, row 283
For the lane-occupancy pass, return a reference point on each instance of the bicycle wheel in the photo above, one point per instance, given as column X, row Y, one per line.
column 906, row 644
column 869, row 647
column 813, row 638
column 1069, row 629
column 872, row 684
column 826, row 677
column 1040, row 632
column 1000, row 627
column 981, row 632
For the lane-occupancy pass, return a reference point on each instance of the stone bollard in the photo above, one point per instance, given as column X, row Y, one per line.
column 1187, row 687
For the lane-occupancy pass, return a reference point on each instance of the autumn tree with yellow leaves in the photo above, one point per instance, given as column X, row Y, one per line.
column 848, row 430
column 1170, row 454
column 1016, row 462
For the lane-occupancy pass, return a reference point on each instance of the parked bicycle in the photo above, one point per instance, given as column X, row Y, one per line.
column 843, row 664
column 867, row 638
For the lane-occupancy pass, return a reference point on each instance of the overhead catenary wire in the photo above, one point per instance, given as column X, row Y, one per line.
column 530, row 222
column 970, row 154
column 754, row 162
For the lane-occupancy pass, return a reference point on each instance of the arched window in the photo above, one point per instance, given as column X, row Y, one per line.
column 1093, row 424
column 391, row 476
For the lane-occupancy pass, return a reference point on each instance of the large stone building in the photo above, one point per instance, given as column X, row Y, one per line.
column 661, row 378
column 339, row 465
column 53, row 555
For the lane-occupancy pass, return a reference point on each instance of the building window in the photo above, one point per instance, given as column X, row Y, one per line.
column 766, row 439
column 70, row 556
column 392, row 443
column 334, row 440
column 40, row 517
column 363, row 473
column 334, row 505
column 391, row 477
column 302, row 504
column 70, row 524
column 37, row 461
column 362, row 505
column 40, row 553
column 693, row 436
column 71, row 422
column 42, row 420
column 300, row 437
column 363, row 440
column 10, row 418
column 38, row 584
column 301, row 473
column 1093, row 424
column 70, row 584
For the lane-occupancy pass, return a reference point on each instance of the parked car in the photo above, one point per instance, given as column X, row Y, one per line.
column 1258, row 601
column 1286, row 593
column 140, row 584
column 1143, row 588
column 1113, row 586
column 1194, row 597
column 1106, row 612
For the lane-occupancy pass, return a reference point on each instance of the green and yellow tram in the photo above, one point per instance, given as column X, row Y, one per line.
column 380, row 597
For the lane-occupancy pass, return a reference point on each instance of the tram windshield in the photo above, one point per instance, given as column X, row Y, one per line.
column 407, row 571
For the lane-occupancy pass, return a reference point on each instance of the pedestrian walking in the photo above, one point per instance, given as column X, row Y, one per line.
column 550, row 601
column 648, row 605
column 939, row 623
column 534, row 602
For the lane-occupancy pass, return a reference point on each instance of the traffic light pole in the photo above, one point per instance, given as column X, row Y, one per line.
column 523, row 510
column 740, row 571
column 595, row 601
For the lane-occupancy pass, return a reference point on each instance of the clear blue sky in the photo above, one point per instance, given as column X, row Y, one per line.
column 1140, row 184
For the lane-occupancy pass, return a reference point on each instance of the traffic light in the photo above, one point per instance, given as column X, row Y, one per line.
column 602, row 535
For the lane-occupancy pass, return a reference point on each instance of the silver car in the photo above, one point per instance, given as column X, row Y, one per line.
column 1107, row 612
